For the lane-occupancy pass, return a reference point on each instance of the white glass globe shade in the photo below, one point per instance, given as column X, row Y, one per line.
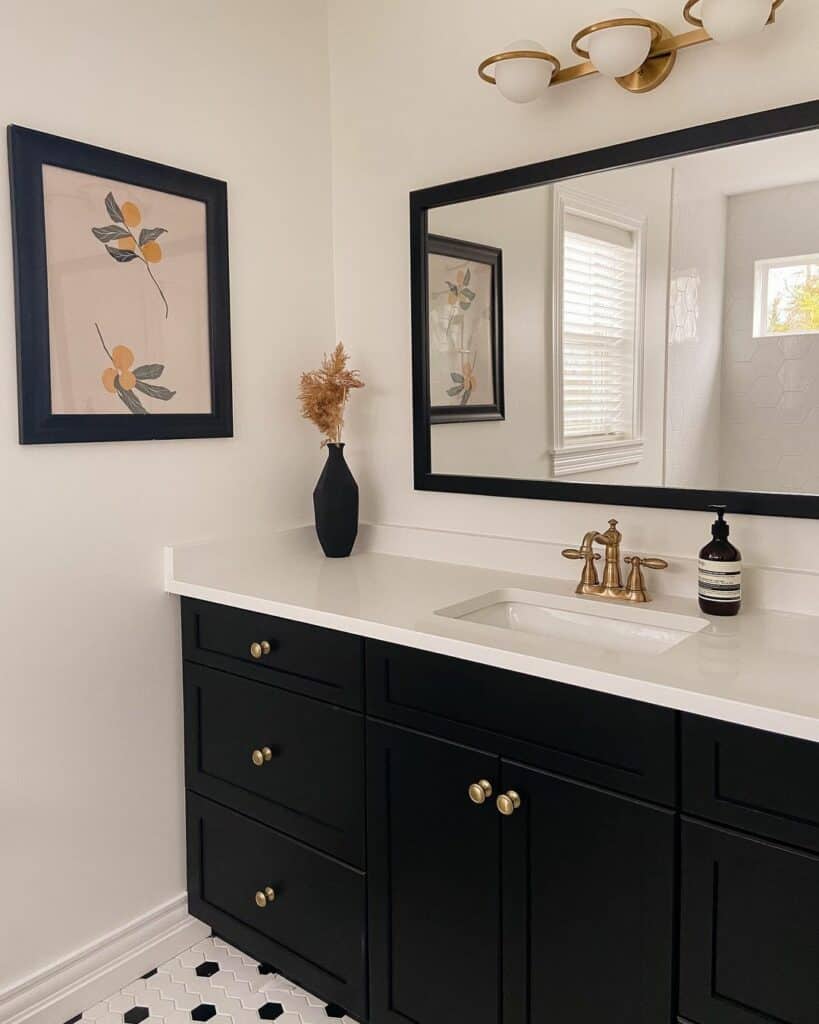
column 728, row 20
column 619, row 51
column 525, row 78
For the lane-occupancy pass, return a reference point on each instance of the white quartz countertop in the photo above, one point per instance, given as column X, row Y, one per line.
column 759, row 669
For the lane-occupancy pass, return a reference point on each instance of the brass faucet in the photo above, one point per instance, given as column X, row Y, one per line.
column 612, row 585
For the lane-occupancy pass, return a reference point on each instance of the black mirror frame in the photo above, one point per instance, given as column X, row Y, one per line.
column 768, row 124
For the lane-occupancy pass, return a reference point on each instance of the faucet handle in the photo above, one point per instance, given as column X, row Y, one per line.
column 636, row 586
column 588, row 578
column 648, row 563
column 577, row 553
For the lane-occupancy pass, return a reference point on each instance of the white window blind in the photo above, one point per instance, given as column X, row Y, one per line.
column 599, row 300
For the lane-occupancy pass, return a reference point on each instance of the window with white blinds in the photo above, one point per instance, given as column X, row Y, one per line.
column 598, row 301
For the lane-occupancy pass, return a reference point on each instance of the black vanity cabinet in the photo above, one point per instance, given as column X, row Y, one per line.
column 749, row 923
column 558, row 910
column 454, row 842
column 274, row 769
column 434, row 879
column 588, row 890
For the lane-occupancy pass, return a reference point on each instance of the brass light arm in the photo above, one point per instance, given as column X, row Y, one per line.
column 657, row 66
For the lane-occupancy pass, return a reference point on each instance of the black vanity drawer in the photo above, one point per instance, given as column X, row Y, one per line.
column 756, row 781
column 307, row 659
column 749, row 933
column 312, row 931
column 619, row 744
column 310, row 782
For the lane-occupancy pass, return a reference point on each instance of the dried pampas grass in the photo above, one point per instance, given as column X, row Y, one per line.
column 323, row 393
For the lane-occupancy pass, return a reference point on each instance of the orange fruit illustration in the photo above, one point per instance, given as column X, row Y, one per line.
column 108, row 378
column 126, row 379
column 131, row 214
column 122, row 357
column 126, row 243
column 152, row 251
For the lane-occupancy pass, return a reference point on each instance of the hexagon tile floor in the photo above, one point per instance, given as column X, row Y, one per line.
column 213, row 982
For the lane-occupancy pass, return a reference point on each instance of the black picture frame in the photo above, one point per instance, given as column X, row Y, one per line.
column 29, row 150
column 491, row 256
column 800, row 117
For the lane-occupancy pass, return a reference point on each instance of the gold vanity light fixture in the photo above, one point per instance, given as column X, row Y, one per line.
column 638, row 53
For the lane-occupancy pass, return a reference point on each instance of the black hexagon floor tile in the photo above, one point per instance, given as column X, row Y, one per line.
column 136, row 1015
column 204, row 1011
column 207, row 969
column 271, row 1011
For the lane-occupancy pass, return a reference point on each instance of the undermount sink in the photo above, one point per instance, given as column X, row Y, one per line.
column 632, row 629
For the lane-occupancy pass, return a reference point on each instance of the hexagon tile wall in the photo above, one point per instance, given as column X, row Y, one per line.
column 213, row 982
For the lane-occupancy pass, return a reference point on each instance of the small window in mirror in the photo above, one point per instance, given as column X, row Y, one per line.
column 597, row 355
column 786, row 296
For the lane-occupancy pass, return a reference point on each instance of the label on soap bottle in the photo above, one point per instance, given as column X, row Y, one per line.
column 720, row 581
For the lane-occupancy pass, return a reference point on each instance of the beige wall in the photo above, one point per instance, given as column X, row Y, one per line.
column 91, row 813
column 409, row 111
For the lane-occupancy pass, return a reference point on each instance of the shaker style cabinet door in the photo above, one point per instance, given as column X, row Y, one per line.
column 749, row 943
column 434, row 881
column 588, row 890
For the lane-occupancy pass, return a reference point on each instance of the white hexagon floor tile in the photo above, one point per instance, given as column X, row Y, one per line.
column 217, row 983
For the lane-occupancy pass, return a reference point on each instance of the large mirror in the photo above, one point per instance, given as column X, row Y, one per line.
column 639, row 324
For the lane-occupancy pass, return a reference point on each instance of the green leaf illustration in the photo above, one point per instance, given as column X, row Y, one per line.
column 465, row 396
column 452, row 392
column 467, row 276
column 459, row 377
column 114, row 211
column 155, row 391
column 150, row 371
column 465, row 305
column 129, row 399
column 149, row 234
column 109, row 233
column 121, row 255
column 468, row 293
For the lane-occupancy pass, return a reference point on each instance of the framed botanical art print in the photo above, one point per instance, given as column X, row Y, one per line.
column 122, row 298
column 465, row 331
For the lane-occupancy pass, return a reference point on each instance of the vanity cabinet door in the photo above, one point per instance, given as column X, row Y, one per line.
column 749, row 935
column 434, row 881
column 588, row 891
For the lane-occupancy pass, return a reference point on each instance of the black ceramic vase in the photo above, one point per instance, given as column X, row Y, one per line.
column 335, row 502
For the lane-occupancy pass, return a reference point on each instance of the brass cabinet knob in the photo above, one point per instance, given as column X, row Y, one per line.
column 258, row 649
column 265, row 896
column 260, row 757
column 480, row 791
column 507, row 803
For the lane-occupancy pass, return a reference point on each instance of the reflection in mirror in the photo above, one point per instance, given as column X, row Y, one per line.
column 653, row 325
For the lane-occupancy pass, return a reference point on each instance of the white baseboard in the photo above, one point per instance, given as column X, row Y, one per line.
column 65, row 988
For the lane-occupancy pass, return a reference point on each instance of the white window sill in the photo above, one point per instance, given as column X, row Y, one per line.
column 585, row 458
column 784, row 334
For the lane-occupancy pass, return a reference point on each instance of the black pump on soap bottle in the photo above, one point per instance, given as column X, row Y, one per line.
column 720, row 570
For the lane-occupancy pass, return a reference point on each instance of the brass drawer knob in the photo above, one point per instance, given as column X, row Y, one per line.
column 265, row 896
column 507, row 803
column 480, row 791
column 260, row 757
column 257, row 649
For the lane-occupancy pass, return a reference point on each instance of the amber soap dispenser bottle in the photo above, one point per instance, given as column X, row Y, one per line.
column 720, row 570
